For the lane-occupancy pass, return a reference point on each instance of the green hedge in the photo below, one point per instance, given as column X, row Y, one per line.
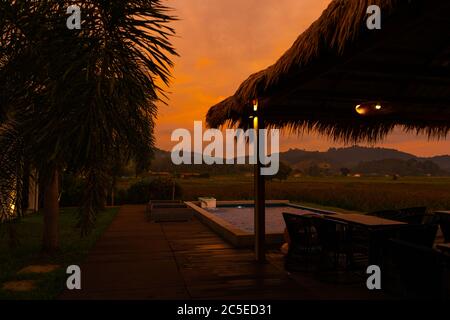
column 160, row 188
column 146, row 189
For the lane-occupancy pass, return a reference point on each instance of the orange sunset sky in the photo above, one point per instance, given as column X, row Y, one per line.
column 222, row 42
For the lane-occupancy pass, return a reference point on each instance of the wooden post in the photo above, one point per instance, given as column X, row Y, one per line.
column 260, row 206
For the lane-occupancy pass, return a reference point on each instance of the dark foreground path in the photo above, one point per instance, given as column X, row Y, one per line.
column 136, row 259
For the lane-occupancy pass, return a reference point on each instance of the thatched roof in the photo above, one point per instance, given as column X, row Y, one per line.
column 338, row 63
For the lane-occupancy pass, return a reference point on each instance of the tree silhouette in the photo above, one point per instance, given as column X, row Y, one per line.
column 345, row 171
column 78, row 100
column 283, row 172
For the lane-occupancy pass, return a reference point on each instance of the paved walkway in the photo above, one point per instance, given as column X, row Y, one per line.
column 136, row 259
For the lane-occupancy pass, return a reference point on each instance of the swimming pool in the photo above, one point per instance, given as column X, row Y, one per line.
column 243, row 216
column 234, row 220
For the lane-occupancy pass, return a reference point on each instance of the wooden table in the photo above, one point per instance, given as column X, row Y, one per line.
column 370, row 222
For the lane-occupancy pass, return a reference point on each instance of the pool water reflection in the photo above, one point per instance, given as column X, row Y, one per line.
column 242, row 217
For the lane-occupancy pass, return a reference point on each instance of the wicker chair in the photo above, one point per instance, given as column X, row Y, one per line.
column 335, row 241
column 421, row 235
column 414, row 271
column 413, row 215
column 303, row 241
column 444, row 223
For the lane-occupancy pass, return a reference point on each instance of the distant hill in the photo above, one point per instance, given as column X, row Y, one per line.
column 442, row 161
column 330, row 161
column 352, row 156
column 162, row 162
column 344, row 157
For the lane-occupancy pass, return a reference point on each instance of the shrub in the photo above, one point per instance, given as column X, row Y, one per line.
column 141, row 192
column 283, row 173
column 160, row 188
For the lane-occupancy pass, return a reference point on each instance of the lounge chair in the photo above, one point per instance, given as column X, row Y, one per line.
column 162, row 203
column 168, row 210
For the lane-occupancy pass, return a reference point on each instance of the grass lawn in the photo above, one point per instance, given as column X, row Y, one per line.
column 73, row 250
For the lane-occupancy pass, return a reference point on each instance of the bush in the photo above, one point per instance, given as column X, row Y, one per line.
column 283, row 173
column 141, row 192
column 160, row 188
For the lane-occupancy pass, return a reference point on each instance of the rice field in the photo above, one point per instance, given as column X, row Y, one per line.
column 363, row 194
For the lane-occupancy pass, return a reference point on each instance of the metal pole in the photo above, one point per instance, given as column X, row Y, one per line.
column 260, row 207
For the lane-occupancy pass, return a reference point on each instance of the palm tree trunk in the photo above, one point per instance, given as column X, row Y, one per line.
column 113, row 186
column 50, row 241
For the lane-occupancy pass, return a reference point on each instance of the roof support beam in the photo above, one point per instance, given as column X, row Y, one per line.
column 260, row 196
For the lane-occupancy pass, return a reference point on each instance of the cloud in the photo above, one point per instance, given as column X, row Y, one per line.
column 222, row 42
column 204, row 62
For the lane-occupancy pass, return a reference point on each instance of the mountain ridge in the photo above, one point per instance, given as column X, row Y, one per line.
column 352, row 156
column 345, row 157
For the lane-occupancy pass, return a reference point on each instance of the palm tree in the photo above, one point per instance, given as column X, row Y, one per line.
column 78, row 100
